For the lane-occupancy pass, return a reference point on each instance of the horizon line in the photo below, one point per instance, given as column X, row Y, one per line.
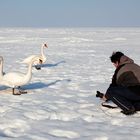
column 69, row 26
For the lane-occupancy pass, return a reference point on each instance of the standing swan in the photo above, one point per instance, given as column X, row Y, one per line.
column 39, row 61
column 1, row 67
column 16, row 79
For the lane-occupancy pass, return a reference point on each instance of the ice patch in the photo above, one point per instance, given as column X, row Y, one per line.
column 14, row 128
column 101, row 138
column 118, row 122
column 4, row 109
column 115, row 39
column 42, row 115
column 64, row 133
column 77, row 39
column 37, row 137
column 120, row 39
column 64, row 116
column 37, row 115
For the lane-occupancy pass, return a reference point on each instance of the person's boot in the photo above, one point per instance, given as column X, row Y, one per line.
column 129, row 112
column 137, row 106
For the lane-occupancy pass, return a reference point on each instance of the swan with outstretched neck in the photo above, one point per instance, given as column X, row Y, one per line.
column 1, row 67
column 39, row 62
column 16, row 79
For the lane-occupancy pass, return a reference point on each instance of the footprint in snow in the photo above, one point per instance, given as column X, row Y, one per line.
column 64, row 134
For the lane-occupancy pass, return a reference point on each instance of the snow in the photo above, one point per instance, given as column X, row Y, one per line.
column 61, row 102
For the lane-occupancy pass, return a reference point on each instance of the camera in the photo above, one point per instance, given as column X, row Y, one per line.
column 99, row 94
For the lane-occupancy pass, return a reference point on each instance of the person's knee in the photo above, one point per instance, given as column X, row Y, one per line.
column 109, row 95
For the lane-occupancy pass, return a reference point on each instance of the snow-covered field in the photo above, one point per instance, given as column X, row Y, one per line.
column 61, row 102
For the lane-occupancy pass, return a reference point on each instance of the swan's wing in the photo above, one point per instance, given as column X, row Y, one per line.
column 12, row 79
column 28, row 59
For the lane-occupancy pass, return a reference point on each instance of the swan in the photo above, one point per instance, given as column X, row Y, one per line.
column 16, row 79
column 40, row 61
column 1, row 67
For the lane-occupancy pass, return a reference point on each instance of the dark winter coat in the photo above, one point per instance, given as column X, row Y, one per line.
column 127, row 74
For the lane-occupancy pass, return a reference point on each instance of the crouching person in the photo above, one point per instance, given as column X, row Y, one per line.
column 124, row 90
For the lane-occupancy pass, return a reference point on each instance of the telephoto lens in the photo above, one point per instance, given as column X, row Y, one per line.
column 99, row 94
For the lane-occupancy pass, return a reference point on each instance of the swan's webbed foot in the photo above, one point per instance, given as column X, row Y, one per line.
column 22, row 92
column 18, row 93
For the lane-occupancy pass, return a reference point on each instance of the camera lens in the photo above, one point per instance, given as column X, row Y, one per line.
column 99, row 94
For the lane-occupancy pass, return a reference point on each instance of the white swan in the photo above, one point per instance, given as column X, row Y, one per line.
column 1, row 67
column 16, row 79
column 39, row 61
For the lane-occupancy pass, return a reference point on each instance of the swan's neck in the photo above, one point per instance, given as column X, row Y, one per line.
column 29, row 71
column 1, row 68
column 42, row 51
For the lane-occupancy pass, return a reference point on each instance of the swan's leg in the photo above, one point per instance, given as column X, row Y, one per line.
column 13, row 90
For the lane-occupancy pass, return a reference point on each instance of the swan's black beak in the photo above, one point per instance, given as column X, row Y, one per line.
column 46, row 45
column 40, row 61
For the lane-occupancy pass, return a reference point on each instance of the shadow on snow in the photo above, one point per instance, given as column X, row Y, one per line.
column 39, row 85
column 52, row 65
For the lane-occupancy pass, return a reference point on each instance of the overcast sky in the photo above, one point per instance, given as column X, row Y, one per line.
column 69, row 13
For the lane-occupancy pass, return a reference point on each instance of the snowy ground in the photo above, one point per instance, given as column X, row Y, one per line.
column 61, row 102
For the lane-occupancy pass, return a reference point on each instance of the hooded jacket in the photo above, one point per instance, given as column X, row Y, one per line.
column 127, row 74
